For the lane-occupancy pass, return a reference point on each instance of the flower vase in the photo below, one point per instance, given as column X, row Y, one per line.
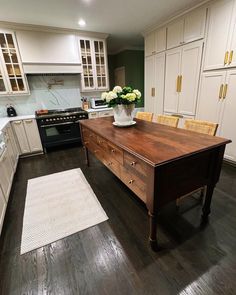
column 123, row 114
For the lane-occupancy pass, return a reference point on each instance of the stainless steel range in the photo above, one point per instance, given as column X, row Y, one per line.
column 59, row 127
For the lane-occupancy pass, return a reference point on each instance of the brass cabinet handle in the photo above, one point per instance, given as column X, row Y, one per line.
column 225, row 91
column 180, row 83
column 177, row 84
column 131, row 181
column 177, row 115
column 28, row 121
column 226, row 57
column 153, row 91
column 221, row 91
column 17, row 122
column 231, row 57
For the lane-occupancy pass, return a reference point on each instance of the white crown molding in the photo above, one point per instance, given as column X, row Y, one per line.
column 31, row 27
column 165, row 21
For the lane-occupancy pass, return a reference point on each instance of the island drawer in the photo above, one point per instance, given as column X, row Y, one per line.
column 113, row 165
column 135, row 165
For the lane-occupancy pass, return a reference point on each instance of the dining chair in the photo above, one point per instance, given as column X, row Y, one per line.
column 203, row 127
column 168, row 120
column 144, row 116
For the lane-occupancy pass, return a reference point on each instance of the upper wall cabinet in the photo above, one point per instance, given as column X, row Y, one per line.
column 12, row 78
column 94, row 62
column 155, row 42
column 221, row 37
column 186, row 29
column 47, row 52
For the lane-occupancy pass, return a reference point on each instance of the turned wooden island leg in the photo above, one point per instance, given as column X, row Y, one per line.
column 153, row 231
column 206, row 210
column 86, row 156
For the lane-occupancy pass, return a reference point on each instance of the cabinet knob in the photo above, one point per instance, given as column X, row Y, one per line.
column 113, row 151
column 131, row 181
column 133, row 163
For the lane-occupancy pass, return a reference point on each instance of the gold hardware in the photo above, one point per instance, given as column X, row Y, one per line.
column 226, row 57
column 180, row 83
column 131, row 181
column 221, row 91
column 225, row 91
column 28, row 121
column 153, row 91
column 112, row 150
column 17, row 122
column 133, row 163
column 177, row 84
column 231, row 56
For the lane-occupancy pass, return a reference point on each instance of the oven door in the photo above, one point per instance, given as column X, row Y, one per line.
column 61, row 133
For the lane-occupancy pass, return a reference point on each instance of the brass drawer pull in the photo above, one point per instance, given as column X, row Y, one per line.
column 131, row 181
column 133, row 163
column 113, row 151
column 109, row 164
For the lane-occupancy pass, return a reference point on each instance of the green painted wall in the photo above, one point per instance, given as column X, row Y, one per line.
column 133, row 61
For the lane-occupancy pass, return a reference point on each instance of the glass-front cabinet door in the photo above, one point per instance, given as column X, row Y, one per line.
column 12, row 78
column 94, row 64
column 101, row 64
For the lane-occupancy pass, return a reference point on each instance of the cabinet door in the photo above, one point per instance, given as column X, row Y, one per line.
column 217, row 44
column 88, row 74
column 232, row 48
column 3, row 206
column 171, row 96
column 13, row 142
column 5, row 173
column 149, row 83
column 101, row 68
column 32, row 134
column 175, row 33
column 194, row 25
column 160, row 40
column 11, row 64
column 21, row 137
column 150, row 44
column 228, row 119
column 211, row 96
column 190, row 74
column 159, row 61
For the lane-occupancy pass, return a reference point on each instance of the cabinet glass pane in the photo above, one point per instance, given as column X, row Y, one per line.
column 84, row 60
column 86, row 82
column 90, row 70
column 3, row 42
column 14, row 86
column 6, row 56
column 99, row 81
column 87, row 43
column 2, row 85
column 13, row 56
column 10, row 70
column 10, row 41
column 91, row 82
column 82, row 45
column 21, row 84
column 103, row 81
column 101, row 47
column 96, row 46
column 17, row 70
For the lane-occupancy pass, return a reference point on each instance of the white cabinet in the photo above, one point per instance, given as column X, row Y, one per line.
column 182, row 78
column 100, row 113
column 32, row 134
column 217, row 103
column 155, row 42
column 19, row 130
column 175, row 33
column 154, row 83
column 27, row 135
column 12, row 77
column 3, row 206
column 93, row 115
column 94, row 63
column 220, row 33
column 188, row 28
column 6, row 173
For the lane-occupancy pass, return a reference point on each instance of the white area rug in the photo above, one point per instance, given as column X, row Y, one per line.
column 58, row 205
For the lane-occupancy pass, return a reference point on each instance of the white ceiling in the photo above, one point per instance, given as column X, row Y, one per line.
column 123, row 19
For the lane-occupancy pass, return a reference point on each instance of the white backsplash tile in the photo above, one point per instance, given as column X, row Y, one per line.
column 59, row 96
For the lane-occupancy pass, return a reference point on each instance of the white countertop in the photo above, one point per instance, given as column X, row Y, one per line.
column 5, row 120
column 98, row 110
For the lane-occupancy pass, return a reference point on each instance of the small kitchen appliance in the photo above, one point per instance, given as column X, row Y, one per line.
column 98, row 103
column 11, row 112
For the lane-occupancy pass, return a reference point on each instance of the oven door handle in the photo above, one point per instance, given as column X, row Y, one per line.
column 52, row 125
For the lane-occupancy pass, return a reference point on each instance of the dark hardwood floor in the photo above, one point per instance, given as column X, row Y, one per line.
column 114, row 257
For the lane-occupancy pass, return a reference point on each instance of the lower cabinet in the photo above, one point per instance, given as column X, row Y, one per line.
column 3, row 206
column 27, row 135
column 6, row 173
column 217, row 103
column 99, row 114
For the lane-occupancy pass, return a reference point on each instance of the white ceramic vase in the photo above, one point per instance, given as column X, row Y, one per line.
column 123, row 114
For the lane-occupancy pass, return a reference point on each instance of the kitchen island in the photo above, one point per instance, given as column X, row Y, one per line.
column 157, row 162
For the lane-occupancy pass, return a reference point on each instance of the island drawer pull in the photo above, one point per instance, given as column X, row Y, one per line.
column 133, row 163
column 131, row 181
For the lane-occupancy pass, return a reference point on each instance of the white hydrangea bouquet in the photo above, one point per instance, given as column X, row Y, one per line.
column 119, row 95
column 123, row 101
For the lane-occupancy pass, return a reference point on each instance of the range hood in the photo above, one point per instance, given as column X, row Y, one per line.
column 49, row 52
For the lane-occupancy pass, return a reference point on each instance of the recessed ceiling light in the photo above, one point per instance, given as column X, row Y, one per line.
column 82, row 23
